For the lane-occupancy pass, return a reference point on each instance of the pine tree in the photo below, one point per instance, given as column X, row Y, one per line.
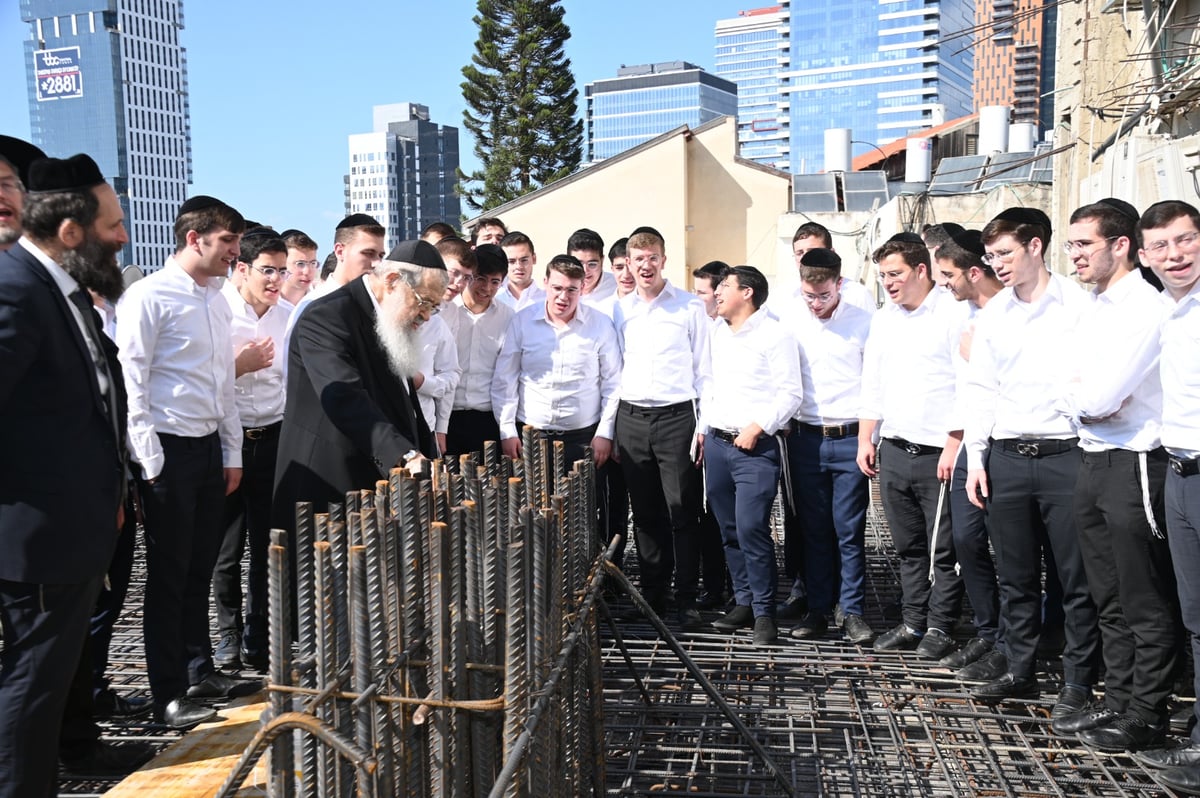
column 521, row 101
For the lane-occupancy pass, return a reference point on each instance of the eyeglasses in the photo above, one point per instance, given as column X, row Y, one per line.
column 270, row 272
column 11, row 186
column 460, row 277
column 813, row 298
column 306, row 264
column 1070, row 247
column 427, row 306
column 1159, row 248
column 1002, row 255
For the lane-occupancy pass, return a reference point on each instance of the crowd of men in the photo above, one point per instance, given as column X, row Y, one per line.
column 1035, row 441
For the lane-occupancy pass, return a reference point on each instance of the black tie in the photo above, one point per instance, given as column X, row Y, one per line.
column 90, row 324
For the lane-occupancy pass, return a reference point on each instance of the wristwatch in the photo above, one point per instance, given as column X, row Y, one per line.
column 409, row 455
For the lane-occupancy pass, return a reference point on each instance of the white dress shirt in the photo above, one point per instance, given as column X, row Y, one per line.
column 259, row 395
column 831, row 363
column 665, row 345
column 479, row 337
column 909, row 371
column 533, row 295
column 1115, row 375
column 858, row 295
column 174, row 348
column 1019, row 356
column 439, row 364
column 1180, row 375
column 788, row 302
column 316, row 293
column 557, row 378
column 756, row 376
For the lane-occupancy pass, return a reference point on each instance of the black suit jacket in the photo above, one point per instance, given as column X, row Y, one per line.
column 62, row 463
column 349, row 419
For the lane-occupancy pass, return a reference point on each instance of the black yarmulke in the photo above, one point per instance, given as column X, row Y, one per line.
column 1024, row 216
column 971, row 241
column 1121, row 206
column 492, row 257
column 53, row 175
column 650, row 230
column 952, row 229
column 821, row 259
column 418, row 253
column 358, row 220
column 199, row 203
column 907, row 238
column 21, row 154
column 291, row 231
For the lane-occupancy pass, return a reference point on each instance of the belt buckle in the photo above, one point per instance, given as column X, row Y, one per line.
column 831, row 432
column 912, row 448
column 1177, row 466
column 1027, row 449
column 254, row 433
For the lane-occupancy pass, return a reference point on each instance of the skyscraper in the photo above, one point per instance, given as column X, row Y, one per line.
column 752, row 51
column 109, row 78
column 403, row 172
column 881, row 68
column 1014, row 58
column 645, row 101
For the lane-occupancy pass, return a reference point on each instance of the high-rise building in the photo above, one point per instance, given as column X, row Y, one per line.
column 881, row 68
column 109, row 78
column 752, row 51
column 1014, row 58
column 403, row 172
column 645, row 101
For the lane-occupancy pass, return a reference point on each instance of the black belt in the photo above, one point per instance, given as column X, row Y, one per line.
column 258, row 433
column 729, row 436
column 914, row 449
column 832, row 430
column 1038, row 447
column 1185, row 467
column 665, row 410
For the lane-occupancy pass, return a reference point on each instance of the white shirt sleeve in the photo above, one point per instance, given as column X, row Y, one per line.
column 136, row 337
column 505, row 380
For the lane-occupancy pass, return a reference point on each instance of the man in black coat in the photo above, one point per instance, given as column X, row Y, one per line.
column 352, row 412
column 62, row 466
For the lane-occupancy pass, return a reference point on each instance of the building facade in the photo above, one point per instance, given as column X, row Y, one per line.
column 403, row 172
column 881, row 68
column 1014, row 58
column 644, row 101
column 110, row 79
column 752, row 51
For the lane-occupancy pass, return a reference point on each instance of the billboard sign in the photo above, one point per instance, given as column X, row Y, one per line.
column 57, row 74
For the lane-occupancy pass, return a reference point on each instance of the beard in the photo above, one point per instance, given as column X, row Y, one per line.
column 9, row 234
column 93, row 264
column 398, row 338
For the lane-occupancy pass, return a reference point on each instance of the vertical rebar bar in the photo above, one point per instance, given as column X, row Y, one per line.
column 339, row 552
column 441, row 754
column 516, row 672
column 374, row 576
column 326, row 640
column 360, row 654
column 282, row 782
column 304, row 558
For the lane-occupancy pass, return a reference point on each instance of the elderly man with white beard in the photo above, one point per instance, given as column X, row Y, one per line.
column 352, row 413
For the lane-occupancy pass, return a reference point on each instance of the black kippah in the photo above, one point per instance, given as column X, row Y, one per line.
column 1121, row 206
column 821, row 259
column 418, row 253
column 491, row 258
column 971, row 241
column 952, row 229
column 21, row 154
column 199, row 203
column 907, row 238
column 255, row 230
column 1024, row 216
column 358, row 220
column 291, row 231
column 52, row 175
column 650, row 230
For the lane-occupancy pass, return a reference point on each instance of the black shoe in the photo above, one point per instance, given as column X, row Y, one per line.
column 1090, row 718
column 690, row 620
column 740, row 617
column 1006, row 687
column 183, row 714
column 935, row 644
column 991, row 665
column 107, row 760
column 709, row 600
column 254, row 658
column 218, row 685
column 225, row 655
column 1187, row 756
column 975, row 648
column 1182, row 720
column 1185, row 780
column 898, row 639
column 765, row 630
column 794, row 609
column 839, row 617
column 1071, row 699
column 108, row 704
column 857, row 630
column 812, row 625
column 1125, row 733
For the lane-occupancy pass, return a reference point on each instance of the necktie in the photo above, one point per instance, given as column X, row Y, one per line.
column 84, row 303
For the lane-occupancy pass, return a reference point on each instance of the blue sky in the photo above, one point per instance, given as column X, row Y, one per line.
column 277, row 86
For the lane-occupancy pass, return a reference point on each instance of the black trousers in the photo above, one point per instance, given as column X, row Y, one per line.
column 974, row 554
column 1183, row 534
column 247, row 519
column 182, row 521
column 44, row 629
column 468, row 429
column 908, row 488
column 665, row 494
column 1032, row 496
column 1131, row 579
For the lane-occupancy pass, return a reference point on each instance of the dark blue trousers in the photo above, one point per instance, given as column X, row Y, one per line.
column 1183, row 534
column 975, row 561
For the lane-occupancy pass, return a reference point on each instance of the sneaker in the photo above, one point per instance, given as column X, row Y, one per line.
column 857, row 630
column 765, row 630
column 935, row 644
column 991, row 665
column 811, row 626
column 899, row 639
column 974, row 649
column 225, row 656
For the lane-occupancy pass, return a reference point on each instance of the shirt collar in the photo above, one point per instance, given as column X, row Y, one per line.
column 367, row 285
column 65, row 282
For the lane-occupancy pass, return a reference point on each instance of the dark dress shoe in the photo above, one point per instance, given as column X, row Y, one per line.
column 709, row 600
column 857, row 630
column 975, row 648
column 794, row 609
column 1186, row 756
column 811, row 626
column 1071, row 699
column 1006, row 687
column 839, row 617
column 690, row 620
column 183, row 714
column 1090, row 718
column 740, row 617
column 899, row 639
column 765, row 631
column 935, row 644
column 106, row 760
column 108, row 704
column 991, row 665
column 1124, row 733
column 1182, row 720
column 1185, row 780
column 218, row 685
